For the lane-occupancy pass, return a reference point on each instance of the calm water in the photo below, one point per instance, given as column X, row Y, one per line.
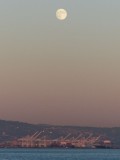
column 58, row 154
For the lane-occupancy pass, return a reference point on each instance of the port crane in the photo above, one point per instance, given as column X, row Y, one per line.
column 36, row 135
column 78, row 137
column 67, row 136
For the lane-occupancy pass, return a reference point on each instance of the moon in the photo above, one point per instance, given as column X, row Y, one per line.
column 61, row 14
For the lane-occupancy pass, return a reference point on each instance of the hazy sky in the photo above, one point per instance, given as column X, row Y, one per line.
column 60, row 72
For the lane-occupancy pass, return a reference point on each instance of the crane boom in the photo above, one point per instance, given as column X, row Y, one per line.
column 89, row 136
column 67, row 136
column 34, row 134
column 37, row 135
column 80, row 135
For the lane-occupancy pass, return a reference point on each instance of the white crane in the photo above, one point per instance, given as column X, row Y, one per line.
column 66, row 136
column 78, row 137
column 37, row 135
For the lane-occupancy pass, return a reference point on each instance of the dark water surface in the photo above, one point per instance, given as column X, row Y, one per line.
column 59, row 154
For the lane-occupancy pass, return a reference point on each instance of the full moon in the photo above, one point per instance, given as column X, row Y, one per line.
column 61, row 14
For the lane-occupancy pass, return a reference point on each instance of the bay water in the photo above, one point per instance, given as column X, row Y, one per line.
column 59, row 154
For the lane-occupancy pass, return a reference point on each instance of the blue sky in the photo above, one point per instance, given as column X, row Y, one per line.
column 52, row 70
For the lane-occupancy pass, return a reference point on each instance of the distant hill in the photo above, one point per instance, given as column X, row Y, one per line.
column 10, row 130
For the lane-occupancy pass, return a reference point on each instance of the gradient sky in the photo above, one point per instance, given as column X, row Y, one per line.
column 60, row 72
